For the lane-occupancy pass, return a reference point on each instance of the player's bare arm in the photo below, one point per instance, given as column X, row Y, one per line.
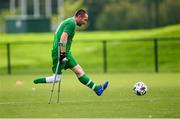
column 63, row 42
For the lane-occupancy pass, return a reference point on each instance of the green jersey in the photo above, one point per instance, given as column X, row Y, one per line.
column 68, row 26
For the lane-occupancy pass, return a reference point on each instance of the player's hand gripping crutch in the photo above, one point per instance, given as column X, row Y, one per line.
column 64, row 60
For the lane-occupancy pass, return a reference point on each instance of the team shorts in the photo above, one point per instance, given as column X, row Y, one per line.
column 69, row 64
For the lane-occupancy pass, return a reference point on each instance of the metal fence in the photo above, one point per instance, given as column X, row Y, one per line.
column 135, row 55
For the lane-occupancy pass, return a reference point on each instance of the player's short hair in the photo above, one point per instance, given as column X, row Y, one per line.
column 80, row 12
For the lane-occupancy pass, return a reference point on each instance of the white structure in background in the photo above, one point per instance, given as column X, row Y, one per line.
column 23, row 7
column 23, row 21
column 60, row 9
column 36, row 8
column 12, row 6
column 48, row 9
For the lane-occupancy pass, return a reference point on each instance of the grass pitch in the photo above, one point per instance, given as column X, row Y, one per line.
column 19, row 97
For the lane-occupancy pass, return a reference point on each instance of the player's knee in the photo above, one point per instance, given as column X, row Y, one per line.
column 79, row 71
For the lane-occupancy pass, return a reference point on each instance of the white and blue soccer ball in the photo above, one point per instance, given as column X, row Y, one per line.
column 140, row 88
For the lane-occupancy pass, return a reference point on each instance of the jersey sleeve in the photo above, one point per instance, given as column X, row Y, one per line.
column 69, row 28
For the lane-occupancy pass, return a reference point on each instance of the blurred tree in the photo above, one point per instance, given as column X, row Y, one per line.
column 4, row 4
column 70, row 6
column 122, row 14
column 131, row 14
column 150, row 14
column 94, row 8
column 169, row 12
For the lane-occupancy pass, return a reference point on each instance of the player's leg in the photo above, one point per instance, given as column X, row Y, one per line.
column 84, row 79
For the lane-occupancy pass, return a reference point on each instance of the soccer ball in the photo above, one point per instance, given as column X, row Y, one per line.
column 140, row 88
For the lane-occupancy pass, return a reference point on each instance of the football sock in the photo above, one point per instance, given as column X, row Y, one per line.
column 89, row 83
column 49, row 79
column 40, row 80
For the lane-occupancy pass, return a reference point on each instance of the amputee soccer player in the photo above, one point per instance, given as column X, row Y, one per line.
column 64, row 34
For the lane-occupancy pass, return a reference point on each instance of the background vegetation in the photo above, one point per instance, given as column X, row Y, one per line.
column 112, row 14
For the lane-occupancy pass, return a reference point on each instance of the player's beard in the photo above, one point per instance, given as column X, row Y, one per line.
column 79, row 24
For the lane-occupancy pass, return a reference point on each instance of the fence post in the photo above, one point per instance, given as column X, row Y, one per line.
column 8, row 58
column 104, row 56
column 156, row 55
